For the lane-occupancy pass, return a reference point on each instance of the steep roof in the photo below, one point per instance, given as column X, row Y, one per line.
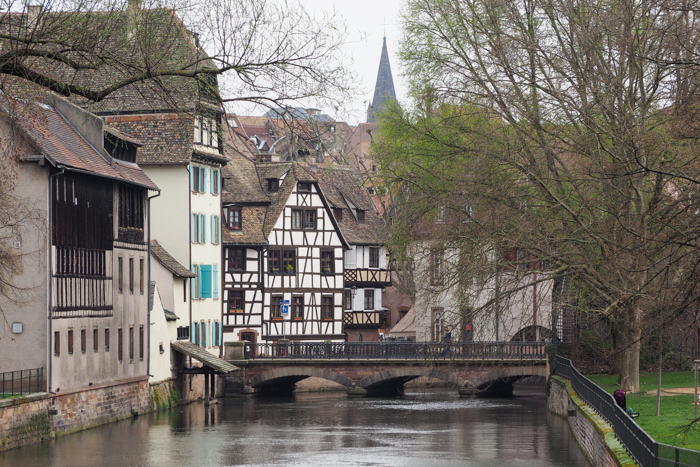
column 343, row 188
column 114, row 46
column 384, row 89
column 170, row 263
column 51, row 133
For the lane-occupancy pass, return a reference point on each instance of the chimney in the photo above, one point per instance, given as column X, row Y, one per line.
column 33, row 13
column 133, row 9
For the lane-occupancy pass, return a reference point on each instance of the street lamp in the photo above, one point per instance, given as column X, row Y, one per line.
column 353, row 291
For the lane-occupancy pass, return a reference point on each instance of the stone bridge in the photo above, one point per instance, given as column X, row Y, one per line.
column 473, row 374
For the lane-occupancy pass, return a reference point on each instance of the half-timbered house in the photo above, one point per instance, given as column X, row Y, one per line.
column 282, row 244
column 82, row 311
column 365, row 269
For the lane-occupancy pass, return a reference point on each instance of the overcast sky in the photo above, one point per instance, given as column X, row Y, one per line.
column 365, row 20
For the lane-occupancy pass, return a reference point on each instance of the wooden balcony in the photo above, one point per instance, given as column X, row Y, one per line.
column 366, row 319
column 367, row 278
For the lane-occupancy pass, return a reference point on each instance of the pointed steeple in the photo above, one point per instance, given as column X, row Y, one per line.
column 384, row 89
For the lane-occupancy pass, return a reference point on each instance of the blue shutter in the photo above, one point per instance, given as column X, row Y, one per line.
column 206, row 334
column 199, row 228
column 191, row 177
column 218, row 226
column 205, row 280
column 211, row 180
column 215, row 280
column 204, row 228
column 192, row 228
column 199, row 281
column 192, row 282
column 193, row 333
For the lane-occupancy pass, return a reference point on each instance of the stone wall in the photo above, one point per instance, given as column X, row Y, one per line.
column 31, row 419
column 594, row 435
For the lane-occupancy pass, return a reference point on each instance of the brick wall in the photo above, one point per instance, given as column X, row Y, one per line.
column 31, row 419
column 591, row 431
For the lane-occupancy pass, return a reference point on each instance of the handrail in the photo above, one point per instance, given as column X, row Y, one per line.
column 399, row 350
column 15, row 383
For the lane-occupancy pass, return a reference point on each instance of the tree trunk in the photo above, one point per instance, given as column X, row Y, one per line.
column 629, row 353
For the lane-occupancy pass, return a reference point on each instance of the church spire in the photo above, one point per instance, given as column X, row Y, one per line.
column 384, row 89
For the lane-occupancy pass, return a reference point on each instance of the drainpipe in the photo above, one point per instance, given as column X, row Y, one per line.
column 50, row 354
column 148, row 308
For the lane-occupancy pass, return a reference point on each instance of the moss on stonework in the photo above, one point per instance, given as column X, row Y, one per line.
column 163, row 399
column 616, row 449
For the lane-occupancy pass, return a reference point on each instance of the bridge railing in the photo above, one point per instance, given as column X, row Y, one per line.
column 400, row 350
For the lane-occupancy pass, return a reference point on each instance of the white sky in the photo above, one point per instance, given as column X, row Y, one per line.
column 365, row 24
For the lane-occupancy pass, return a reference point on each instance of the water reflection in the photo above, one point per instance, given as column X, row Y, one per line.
column 434, row 428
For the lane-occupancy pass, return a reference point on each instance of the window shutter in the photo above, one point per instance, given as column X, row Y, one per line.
column 192, row 239
column 193, row 333
column 215, row 280
column 199, row 228
column 205, row 280
column 192, row 282
column 218, row 228
column 191, row 177
column 199, row 281
column 213, row 229
column 217, row 187
column 204, row 228
column 211, row 180
column 206, row 334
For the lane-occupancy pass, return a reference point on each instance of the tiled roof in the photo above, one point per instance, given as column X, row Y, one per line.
column 51, row 133
column 166, row 44
column 343, row 184
column 170, row 263
column 191, row 350
column 167, row 137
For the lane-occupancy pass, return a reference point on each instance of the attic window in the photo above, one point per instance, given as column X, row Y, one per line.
column 304, row 187
column 361, row 216
column 273, row 184
column 338, row 214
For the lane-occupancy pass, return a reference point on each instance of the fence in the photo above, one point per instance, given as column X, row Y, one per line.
column 399, row 350
column 646, row 451
column 16, row 383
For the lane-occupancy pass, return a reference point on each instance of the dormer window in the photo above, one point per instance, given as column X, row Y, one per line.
column 304, row 187
column 360, row 216
column 338, row 214
column 233, row 218
column 120, row 149
column 206, row 131
column 273, row 184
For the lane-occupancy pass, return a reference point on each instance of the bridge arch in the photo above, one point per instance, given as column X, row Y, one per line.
column 396, row 376
column 500, row 381
column 289, row 376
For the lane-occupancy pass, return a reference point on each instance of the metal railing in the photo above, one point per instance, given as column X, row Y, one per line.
column 641, row 446
column 399, row 350
column 16, row 383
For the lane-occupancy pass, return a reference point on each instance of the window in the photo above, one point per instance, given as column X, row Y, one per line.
column 347, row 298
column 141, row 342
column 289, row 263
column 327, row 262
column 237, row 259
column 95, row 339
column 441, row 215
column 304, row 187
column 83, row 340
column 304, row 219
column 215, row 230
column 120, row 344
column 273, row 261
column 197, row 179
column 297, row 307
column 436, row 268
column 202, row 335
column 369, row 299
column 215, row 181
column 142, row 275
column 131, row 213
column 235, row 301
column 70, row 342
column 438, row 327
column 57, row 343
column 131, row 275
column 131, row 343
column 205, row 280
column 120, row 274
column 338, row 214
column 275, row 307
column 327, row 307
column 106, row 339
column 233, row 214
column 273, row 184
column 360, row 216
column 373, row 257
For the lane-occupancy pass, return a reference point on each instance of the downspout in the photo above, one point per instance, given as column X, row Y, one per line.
column 148, row 300
column 50, row 354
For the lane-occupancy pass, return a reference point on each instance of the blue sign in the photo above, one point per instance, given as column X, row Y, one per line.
column 284, row 307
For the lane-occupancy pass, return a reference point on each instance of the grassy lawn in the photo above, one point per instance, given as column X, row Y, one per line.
column 676, row 411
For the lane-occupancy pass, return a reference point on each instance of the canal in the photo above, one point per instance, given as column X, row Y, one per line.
column 424, row 428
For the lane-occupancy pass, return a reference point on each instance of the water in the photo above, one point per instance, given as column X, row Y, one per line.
column 434, row 428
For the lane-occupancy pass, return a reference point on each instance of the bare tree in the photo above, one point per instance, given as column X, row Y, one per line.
column 559, row 124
